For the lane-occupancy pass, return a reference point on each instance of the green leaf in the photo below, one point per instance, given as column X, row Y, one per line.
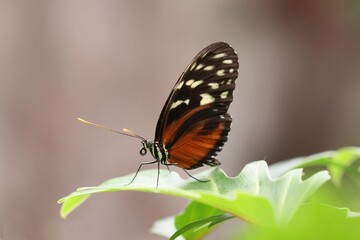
column 337, row 162
column 198, row 215
column 193, row 223
column 341, row 163
column 71, row 204
column 319, row 159
column 196, row 229
column 252, row 196
column 312, row 221
column 196, row 221
column 220, row 219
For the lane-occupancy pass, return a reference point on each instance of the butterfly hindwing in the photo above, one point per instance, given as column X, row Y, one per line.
column 194, row 123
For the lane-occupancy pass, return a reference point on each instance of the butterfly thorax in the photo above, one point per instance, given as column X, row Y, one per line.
column 157, row 150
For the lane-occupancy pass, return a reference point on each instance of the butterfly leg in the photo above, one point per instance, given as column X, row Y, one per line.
column 158, row 175
column 174, row 164
column 193, row 176
column 137, row 171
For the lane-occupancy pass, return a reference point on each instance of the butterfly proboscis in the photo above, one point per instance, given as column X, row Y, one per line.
column 147, row 144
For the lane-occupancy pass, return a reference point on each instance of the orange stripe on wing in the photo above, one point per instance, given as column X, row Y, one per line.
column 192, row 148
column 171, row 130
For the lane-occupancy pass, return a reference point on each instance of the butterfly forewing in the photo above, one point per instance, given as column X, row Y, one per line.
column 194, row 123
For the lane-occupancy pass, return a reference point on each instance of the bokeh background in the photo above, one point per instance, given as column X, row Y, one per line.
column 115, row 62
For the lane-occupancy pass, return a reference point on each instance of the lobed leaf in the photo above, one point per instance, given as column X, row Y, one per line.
column 253, row 195
column 336, row 162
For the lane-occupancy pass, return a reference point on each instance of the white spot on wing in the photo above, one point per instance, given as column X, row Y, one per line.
column 213, row 85
column 231, row 70
column 224, row 95
column 221, row 72
column 206, row 99
column 189, row 82
column 177, row 103
column 229, row 81
column 197, row 83
column 220, row 55
column 192, row 66
column 180, row 85
column 209, row 68
column 199, row 66
column 228, row 61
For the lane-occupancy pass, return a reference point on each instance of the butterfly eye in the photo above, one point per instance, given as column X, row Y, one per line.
column 143, row 151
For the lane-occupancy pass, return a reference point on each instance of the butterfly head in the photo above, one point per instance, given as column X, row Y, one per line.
column 157, row 150
column 147, row 145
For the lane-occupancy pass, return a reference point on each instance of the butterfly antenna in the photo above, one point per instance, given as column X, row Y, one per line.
column 124, row 132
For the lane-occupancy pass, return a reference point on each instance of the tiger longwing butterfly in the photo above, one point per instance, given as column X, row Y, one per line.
column 194, row 122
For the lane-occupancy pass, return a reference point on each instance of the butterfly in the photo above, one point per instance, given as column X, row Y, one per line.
column 194, row 122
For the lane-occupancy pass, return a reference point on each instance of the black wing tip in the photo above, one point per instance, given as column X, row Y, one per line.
column 210, row 162
column 221, row 43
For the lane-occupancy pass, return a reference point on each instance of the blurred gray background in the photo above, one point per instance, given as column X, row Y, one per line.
column 115, row 62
